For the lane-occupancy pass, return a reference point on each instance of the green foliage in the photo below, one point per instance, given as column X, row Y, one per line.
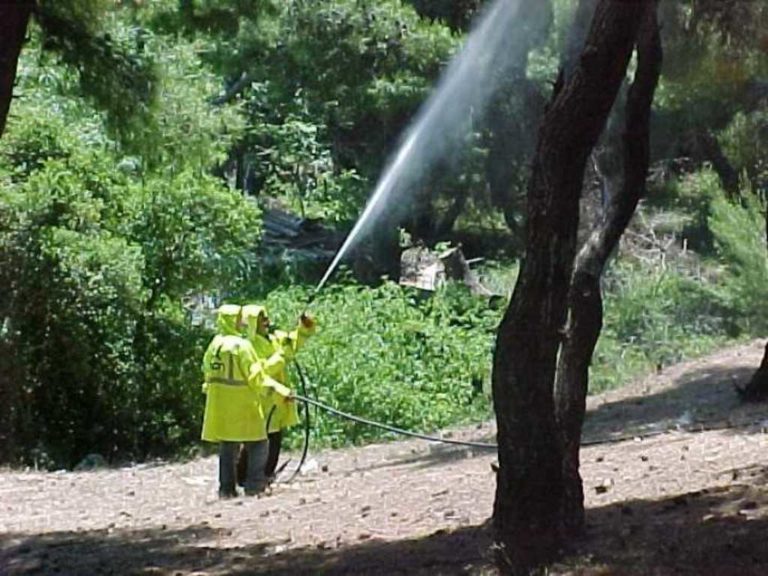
column 655, row 318
column 712, row 55
column 184, row 129
column 298, row 168
column 112, row 68
column 457, row 14
column 193, row 232
column 394, row 355
column 327, row 89
column 97, row 250
column 70, row 310
column 745, row 142
column 740, row 236
column 691, row 197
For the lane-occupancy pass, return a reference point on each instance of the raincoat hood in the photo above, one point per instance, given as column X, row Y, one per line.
column 251, row 314
column 226, row 320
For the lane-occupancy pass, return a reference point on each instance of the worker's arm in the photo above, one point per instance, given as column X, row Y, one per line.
column 275, row 364
column 306, row 328
column 291, row 342
column 263, row 383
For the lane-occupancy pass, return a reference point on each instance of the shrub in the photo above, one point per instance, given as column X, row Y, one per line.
column 394, row 355
column 740, row 236
column 655, row 317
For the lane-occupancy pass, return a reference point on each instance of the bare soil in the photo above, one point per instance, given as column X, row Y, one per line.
column 675, row 474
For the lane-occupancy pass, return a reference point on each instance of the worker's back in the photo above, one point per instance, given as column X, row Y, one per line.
column 233, row 409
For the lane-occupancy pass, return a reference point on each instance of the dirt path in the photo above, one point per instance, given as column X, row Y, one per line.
column 680, row 487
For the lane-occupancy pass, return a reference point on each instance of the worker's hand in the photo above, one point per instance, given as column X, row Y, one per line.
column 290, row 398
column 307, row 321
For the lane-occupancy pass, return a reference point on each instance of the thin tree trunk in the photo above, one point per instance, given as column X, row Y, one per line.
column 527, row 510
column 585, row 299
column 14, row 17
column 757, row 389
column 702, row 147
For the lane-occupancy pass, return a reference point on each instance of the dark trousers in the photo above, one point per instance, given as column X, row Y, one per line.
column 253, row 478
column 270, row 458
column 275, row 442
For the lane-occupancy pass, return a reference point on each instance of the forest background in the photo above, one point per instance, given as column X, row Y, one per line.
column 144, row 147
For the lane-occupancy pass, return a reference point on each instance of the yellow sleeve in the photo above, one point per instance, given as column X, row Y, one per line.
column 260, row 381
column 300, row 335
column 207, row 358
column 274, row 365
column 251, row 369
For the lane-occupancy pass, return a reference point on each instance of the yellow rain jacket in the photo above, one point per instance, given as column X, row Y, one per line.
column 234, row 390
column 274, row 352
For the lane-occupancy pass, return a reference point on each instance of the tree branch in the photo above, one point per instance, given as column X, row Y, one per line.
column 233, row 91
column 14, row 17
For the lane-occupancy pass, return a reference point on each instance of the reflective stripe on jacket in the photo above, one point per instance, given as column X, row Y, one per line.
column 234, row 393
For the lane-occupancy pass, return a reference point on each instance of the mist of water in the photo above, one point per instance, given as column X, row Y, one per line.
column 439, row 127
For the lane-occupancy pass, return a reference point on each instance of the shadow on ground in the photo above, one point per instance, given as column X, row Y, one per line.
column 718, row 532
column 436, row 455
column 191, row 552
column 699, row 399
column 117, row 552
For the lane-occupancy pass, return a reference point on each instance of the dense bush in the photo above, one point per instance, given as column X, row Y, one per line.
column 740, row 237
column 97, row 250
column 655, row 317
column 422, row 362
column 394, row 355
column 110, row 214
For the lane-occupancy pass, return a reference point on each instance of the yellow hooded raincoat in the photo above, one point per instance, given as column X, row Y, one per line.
column 274, row 351
column 234, row 390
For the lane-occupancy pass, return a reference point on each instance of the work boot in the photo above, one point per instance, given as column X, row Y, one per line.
column 227, row 494
column 257, row 490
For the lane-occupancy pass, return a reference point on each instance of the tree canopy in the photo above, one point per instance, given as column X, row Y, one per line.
column 143, row 142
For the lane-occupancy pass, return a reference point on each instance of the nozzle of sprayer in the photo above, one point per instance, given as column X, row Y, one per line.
column 309, row 301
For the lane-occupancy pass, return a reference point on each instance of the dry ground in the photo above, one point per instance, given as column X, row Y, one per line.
column 675, row 474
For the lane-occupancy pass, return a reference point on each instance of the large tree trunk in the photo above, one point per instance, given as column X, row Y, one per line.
column 14, row 17
column 527, row 510
column 584, row 299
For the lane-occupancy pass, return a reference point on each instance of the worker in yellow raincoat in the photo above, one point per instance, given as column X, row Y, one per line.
column 236, row 388
column 275, row 350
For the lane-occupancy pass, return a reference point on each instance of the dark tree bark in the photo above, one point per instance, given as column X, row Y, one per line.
column 584, row 299
column 14, row 17
column 757, row 389
column 527, row 510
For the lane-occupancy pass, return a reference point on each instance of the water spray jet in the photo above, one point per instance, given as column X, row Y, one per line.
column 464, row 90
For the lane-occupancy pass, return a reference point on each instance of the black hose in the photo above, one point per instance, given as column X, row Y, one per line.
column 387, row 427
column 307, row 424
